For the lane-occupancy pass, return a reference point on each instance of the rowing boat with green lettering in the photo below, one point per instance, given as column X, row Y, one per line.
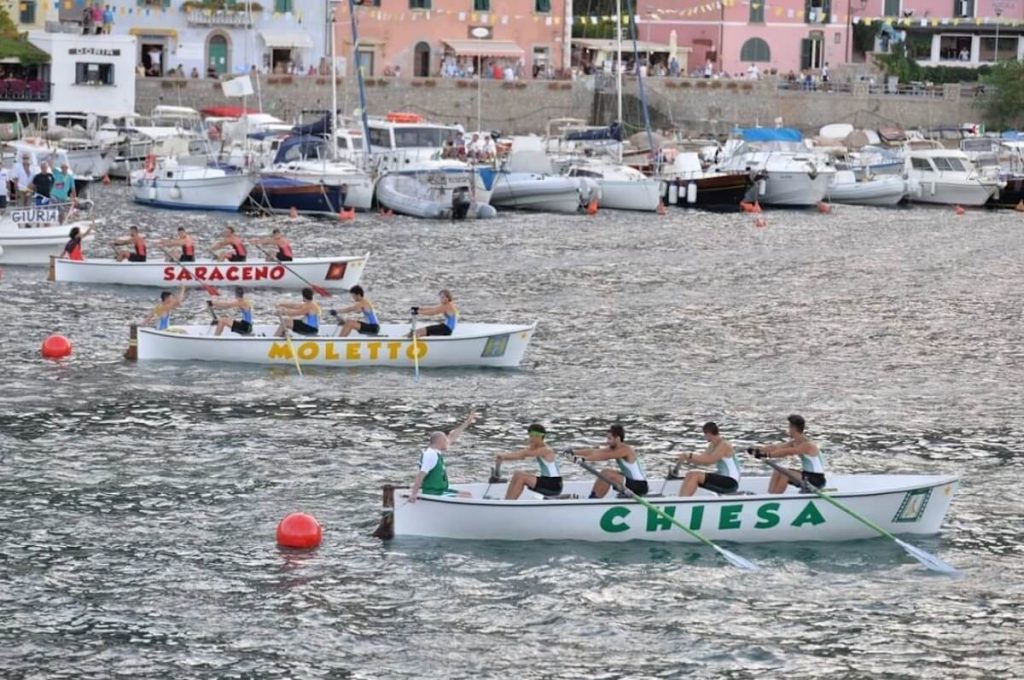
column 912, row 504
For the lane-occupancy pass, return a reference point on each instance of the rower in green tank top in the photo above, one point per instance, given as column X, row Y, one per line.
column 432, row 478
column 549, row 480
column 629, row 472
column 812, row 461
column 720, row 452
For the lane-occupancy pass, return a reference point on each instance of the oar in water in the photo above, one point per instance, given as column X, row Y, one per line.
column 925, row 558
column 731, row 557
column 291, row 345
column 210, row 290
column 322, row 292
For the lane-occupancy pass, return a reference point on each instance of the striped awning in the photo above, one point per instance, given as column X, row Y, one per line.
column 484, row 48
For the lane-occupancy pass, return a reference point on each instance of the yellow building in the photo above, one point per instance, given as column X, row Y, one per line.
column 28, row 15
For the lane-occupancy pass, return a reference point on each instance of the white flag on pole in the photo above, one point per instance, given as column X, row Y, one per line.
column 237, row 87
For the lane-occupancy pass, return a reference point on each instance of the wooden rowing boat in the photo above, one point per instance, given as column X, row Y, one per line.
column 472, row 344
column 334, row 273
column 901, row 504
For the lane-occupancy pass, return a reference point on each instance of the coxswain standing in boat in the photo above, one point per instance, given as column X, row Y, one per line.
column 162, row 312
column 629, row 472
column 242, row 326
column 73, row 248
column 548, row 482
column 302, row 318
column 432, row 479
column 446, row 308
column 719, row 453
column 234, row 242
column 138, row 244
column 183, row 241
column 369, row 325
column 277, row 240
column 812, row 462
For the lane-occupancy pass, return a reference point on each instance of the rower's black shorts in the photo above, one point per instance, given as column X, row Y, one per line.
column 637, row 486
column 369, row 328
column 815, row 479
column 303, row 328
column 135, row 257
column 438, row 329
column 548, row 485
column 719, row 483
column 241, row 327
column 283, row 258
column 236, row 258
column 187, row 258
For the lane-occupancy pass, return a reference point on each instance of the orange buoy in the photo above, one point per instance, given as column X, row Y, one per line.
column 757, row 207
column 592, row 207
column 661, row 208
column 56, row 347
column 293, row 212
column 824, row 208
column 746, row 206
column 761, row 222
column 106, row 179
column 347, row 214
column 959, row 210
column 299, row 530
column 1020, row 206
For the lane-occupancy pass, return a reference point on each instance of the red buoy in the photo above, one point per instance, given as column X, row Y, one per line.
column 592, row 207
column 959, row 210
column 56, row 347
column 299, row 530
column 824, row 208
column 106, row 179
column 347, row 214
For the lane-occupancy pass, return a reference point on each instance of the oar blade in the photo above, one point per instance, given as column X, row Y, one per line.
column 322, row 292
column 210, row 290
column 927, row 559
column 736, row 560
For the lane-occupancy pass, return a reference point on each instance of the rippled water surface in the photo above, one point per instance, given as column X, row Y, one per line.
column 138, row 502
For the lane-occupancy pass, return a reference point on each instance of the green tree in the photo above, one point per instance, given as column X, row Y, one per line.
column 1004, row 103
column 7, row 27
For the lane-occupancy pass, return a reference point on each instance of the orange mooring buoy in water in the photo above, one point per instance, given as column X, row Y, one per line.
column 592, row 207
column 661, row 208
column 959, row 210
column 56, row 347
column 347, row 214
column 761, row 222
column 824, row 208
column 299, row 530
column 106, row 179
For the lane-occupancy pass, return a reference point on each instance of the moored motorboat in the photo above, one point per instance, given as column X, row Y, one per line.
column 792, row 175
column 949, row 178
column 188, row 187
column 527, row 181
column 337, row 273
column 439, row 195
column 472, row 344
column 900, row 504
column 687, row 184
column 880, row 190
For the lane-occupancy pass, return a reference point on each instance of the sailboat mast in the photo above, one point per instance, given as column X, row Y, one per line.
column 359, row 79
column 618, row 67
column 334, row 87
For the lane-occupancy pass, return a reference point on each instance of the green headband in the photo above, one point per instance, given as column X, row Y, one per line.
column 537, row 432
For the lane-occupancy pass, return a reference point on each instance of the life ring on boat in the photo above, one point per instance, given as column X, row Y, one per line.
column 403, row 117
column 150, row 163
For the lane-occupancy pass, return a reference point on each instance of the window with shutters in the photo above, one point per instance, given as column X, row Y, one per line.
column 482, row 5
column 419, row 4
column 757, row 12
column 963, row 8
column 755, row 49
column 282, row 6
column 818, row 11
column 542, row 6
column 892, row 8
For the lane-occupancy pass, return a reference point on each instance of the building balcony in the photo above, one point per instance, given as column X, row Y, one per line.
column 15, row 90
column 219, row 17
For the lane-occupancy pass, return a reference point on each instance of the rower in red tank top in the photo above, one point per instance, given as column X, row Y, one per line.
column 234, row 242
column 137, row 242
column 73, row 248
column 284, row 248
column 183, row 241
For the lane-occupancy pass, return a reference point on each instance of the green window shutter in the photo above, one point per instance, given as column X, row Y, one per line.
column 542, row 6
column 482, row 5
column 757, row 12
column 892, row 8
column 805, row 53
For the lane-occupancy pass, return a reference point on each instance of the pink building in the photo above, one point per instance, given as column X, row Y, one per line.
column 423, row 38
column 798, row 35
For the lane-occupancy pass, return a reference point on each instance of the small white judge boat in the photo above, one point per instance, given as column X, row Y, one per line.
column 332, row 273
column 30, row 236
column 900, row 504
column 472, row 344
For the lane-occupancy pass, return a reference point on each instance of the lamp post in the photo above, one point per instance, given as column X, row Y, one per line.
column 999, row 13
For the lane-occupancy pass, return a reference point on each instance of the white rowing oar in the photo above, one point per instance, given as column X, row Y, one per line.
column 925, row 558
column 291, row 346
column 415, row 347
column 732, row 558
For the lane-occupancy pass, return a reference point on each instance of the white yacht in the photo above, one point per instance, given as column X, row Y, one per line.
column 190, row 187
column 949, row 177
column 791, row 174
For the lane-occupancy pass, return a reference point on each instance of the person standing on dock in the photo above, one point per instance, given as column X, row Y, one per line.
column 812, row 462
column 162, row 312
column 232, row 240
column 629, row 472
column 135, row 240
column 432, row 478
column 719, row 453
column 548, row 482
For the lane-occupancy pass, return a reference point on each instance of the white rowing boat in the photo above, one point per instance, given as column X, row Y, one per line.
column 30, row 236
column 901, row 504
column 472, row 344
column 337, row 273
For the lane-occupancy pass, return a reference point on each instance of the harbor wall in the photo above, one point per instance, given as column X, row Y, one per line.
column 699, row 106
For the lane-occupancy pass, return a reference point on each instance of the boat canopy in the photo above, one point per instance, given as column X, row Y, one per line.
column 318, row 127
column 770, row 134
column 613, row 131
column 302, row 147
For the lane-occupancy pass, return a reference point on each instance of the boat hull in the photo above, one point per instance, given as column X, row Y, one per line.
column 907, row 504
column 528, row 191
column 793, row 189
column 883, row 191
column 1009, row 196
column 409, row 195
column 279, row 193
column 337, row 273
column 33, row 245
column 225, row 193
column 641, row 195
column 722, row 193
column 472, row 345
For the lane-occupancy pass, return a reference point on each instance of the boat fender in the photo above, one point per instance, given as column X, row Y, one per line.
column 151, row 193
column 691, row 192
column 673, row 194
column 762, row 186
column 175, row 191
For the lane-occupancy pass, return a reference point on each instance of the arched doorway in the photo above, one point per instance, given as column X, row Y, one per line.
column 217, row 55
column 421, row 60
